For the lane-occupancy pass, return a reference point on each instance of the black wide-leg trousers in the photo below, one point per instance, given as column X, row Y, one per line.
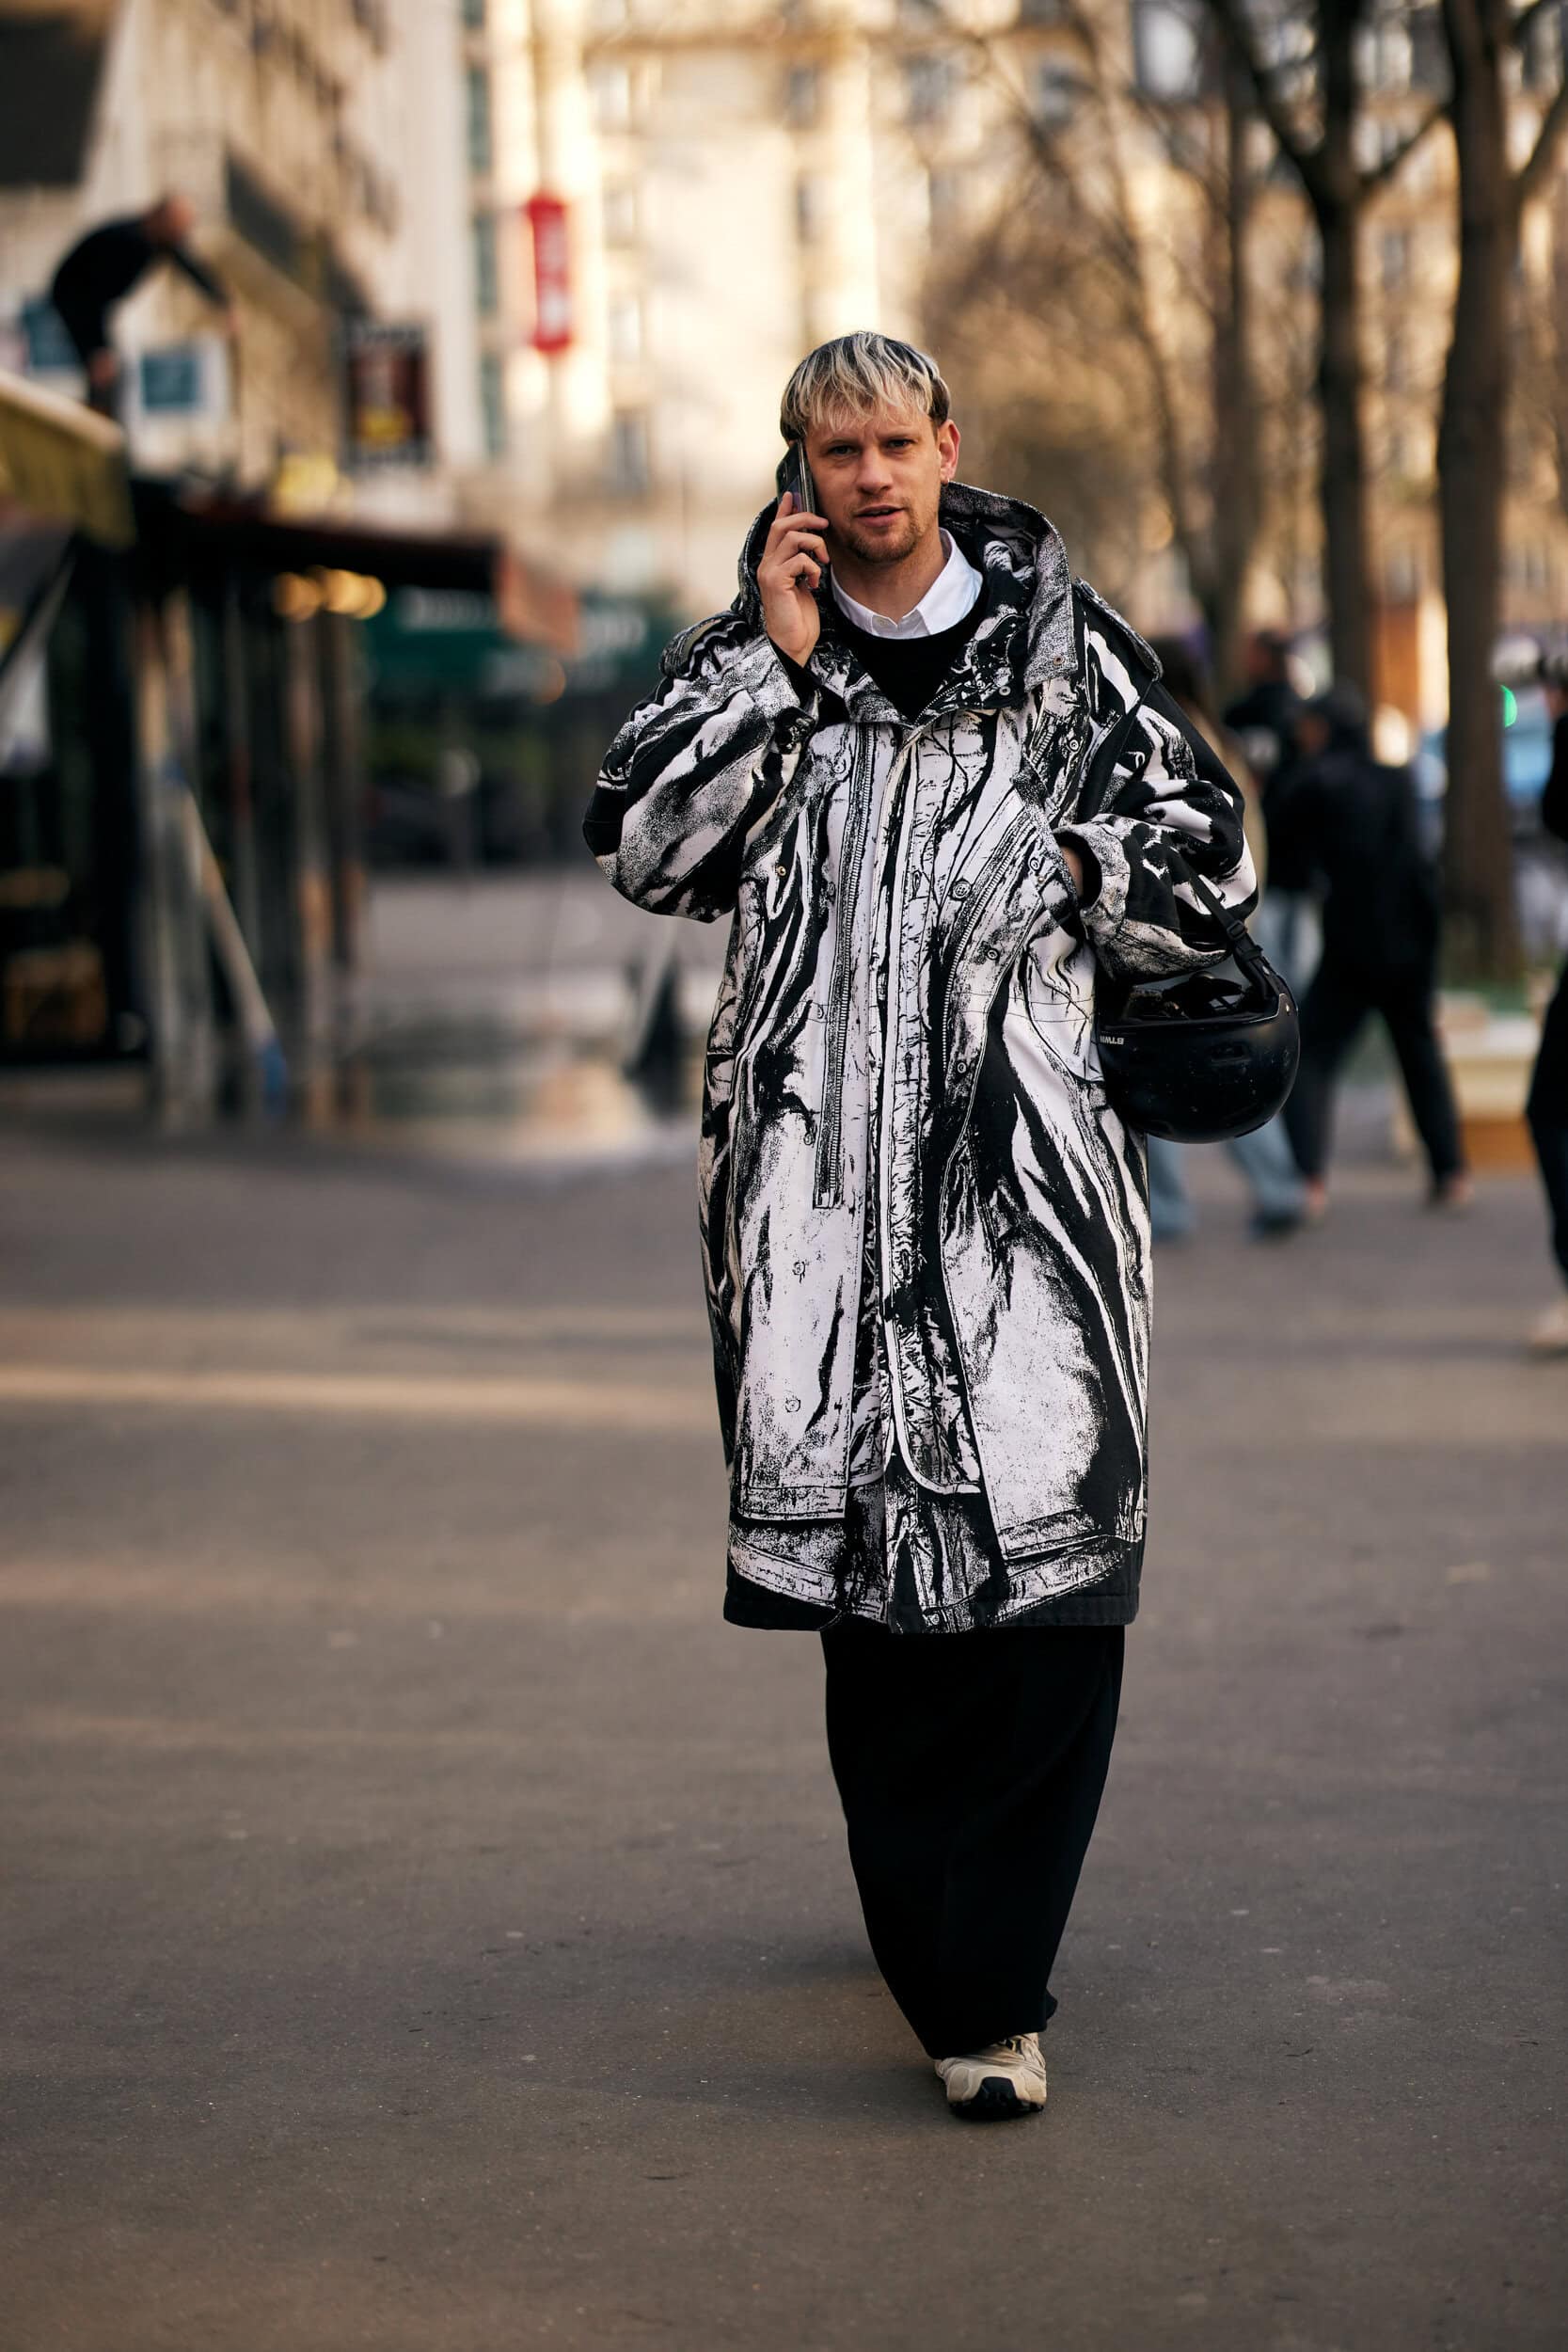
column 971, row 1768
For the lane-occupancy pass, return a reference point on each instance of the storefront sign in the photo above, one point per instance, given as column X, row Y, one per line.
column 552, row 280
column 387, row 368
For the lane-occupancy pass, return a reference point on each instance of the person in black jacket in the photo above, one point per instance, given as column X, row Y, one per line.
column 1264, row 720
column 1547, row 1107
column 1353, row 824
column 108, row 263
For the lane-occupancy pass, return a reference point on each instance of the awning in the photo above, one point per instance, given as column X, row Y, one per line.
column 210, row 535
column 61, row 462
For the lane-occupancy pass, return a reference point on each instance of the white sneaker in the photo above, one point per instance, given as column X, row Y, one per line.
column 1549, row 1337
column 992, row 2085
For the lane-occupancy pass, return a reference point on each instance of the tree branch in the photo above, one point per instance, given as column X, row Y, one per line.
column 1380, row 174
column 1519, row 30
column 1305, row 160
column 1548, row 139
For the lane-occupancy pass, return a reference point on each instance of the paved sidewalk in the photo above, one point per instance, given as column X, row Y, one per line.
column 427, row 1926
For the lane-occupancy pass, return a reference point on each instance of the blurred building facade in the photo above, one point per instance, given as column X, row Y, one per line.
column 671, row 202
column 321, row 146
column 719, row 185
column 611, row 227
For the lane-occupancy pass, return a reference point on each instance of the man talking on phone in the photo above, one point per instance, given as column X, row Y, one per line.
column 934, row 785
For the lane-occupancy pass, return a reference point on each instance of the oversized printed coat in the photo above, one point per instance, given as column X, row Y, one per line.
column 906, row 948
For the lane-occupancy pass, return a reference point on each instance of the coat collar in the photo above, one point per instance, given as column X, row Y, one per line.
column 1025, row 633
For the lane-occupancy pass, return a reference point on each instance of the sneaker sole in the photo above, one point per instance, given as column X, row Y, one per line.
column 995, row 2102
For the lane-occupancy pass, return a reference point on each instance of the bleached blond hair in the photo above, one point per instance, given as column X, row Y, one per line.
column 848, row 379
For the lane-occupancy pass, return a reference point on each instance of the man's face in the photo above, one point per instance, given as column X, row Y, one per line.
column 878, row 481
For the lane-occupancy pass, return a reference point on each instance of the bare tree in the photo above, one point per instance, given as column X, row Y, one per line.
column 1308, row 92
column 1482, row 36
column 1123, row 368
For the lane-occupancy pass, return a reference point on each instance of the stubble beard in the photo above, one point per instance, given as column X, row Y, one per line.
column 883, row 550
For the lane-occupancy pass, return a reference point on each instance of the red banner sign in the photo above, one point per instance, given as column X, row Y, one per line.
column 552, row 274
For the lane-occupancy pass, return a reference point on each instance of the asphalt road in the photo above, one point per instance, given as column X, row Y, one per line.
column 426, row 1924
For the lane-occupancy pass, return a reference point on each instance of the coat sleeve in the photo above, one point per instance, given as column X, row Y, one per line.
column 1169, row 811
column 694, row 767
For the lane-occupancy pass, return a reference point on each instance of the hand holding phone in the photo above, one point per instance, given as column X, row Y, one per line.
column 793, row 566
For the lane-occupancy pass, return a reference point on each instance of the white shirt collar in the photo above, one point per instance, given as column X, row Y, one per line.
column 945, row 603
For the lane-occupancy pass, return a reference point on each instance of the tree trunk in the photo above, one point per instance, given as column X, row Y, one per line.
column 1343, row 490
column 1234, row 464
column 1472, row 461
column 1336, row 196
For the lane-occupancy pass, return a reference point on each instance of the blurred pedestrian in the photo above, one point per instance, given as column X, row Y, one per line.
column 1264, row 1158
column 1353, row 823
column 1263, row 722
column 108, row 263
column 934, row 784
column 1547, row 1107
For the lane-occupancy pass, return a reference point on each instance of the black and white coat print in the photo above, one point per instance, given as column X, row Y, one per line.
column 904, row 1034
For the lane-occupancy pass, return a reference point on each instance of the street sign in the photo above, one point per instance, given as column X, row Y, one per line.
column 386, row 393
column 552, row 273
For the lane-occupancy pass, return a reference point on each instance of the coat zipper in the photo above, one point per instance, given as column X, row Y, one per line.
column 828, row 1189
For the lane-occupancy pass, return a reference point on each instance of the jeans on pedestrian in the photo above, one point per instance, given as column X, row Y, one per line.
column 1265, row 1160
column 1288, row 928
column 1171, row 1214
column 1547, row 1112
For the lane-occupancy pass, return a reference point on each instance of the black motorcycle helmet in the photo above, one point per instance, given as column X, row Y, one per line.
column 1201, row 1060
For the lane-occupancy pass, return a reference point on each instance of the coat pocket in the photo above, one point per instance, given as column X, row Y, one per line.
column 1060, row 1031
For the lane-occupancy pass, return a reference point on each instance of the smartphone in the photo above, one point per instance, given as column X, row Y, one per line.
column 794, row 475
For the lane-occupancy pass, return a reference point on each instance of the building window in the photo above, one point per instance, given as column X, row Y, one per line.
column 1394, row 259
column 625, row 320
column 370, row 17
column 1402, row 575
column 810, row 210
column 928, row 88
column 803, row 97
column 480, row 147
column 1385, row 56
column 1168, row 50
column 1054, row 94
column 610, row 87
column 944, row 200
column 486, row 276
column 620, row 214
column 1429, row 50
column 628, row 452
column 492, row 403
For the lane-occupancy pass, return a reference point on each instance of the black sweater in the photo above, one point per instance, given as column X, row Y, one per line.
column 910, row 670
